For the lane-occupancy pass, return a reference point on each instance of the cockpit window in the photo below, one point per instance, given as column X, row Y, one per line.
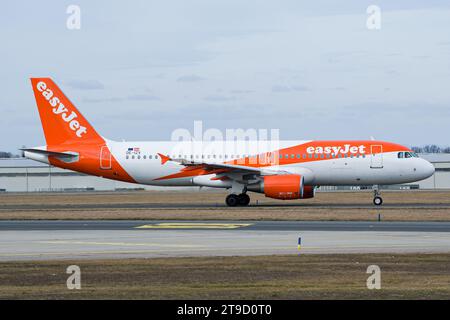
column 402, row 155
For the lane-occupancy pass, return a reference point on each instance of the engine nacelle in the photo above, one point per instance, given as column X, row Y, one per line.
column 284, row 187
column 308, row 192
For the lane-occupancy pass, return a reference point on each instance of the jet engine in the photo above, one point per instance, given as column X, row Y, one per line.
column 284, row 187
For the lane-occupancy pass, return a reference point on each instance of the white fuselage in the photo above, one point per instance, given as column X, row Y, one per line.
column 145, row 165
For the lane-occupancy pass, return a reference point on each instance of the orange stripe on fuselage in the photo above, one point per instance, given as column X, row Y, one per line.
column 302, row 149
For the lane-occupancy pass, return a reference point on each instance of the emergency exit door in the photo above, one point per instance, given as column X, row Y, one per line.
column 105, row 158
column 376, row 156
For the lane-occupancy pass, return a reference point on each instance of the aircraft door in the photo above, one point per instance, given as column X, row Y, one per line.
column 105, row 158
column 376, row 156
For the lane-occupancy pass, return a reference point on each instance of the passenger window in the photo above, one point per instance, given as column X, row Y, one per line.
column 150, row 156
column 127, row 157
column 132, row 157
column 145, row 157
column 156, row 157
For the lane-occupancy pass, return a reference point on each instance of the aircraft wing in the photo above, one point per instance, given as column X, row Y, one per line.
column 227, row 167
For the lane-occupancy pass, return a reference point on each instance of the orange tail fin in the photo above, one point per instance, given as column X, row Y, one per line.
column 61, row 121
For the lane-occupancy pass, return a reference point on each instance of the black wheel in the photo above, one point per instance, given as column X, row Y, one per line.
column 232, row 200
column 377, row 201
column 244, row 199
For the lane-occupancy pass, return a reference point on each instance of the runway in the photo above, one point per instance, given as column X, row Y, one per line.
column 74, row 240
column 242, row 225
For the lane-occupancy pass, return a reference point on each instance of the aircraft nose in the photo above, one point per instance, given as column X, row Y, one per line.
column 427, row 168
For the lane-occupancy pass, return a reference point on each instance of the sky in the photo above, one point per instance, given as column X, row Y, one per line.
column 138, row 70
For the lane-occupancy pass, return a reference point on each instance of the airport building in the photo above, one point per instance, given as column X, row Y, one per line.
column 24, row 175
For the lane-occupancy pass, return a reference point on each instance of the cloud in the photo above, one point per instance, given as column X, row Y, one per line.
column 219, row 98
column 190, row 78
column 85, row 84
column 135, row 97
column 443, row 43
column 143, row 97
column 282, row 89
column 241, row 91
column 100, row 100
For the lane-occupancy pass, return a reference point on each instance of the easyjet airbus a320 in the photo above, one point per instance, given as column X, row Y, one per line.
column 283, row 170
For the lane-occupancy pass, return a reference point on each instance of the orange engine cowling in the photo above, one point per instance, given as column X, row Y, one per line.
column 285, row 187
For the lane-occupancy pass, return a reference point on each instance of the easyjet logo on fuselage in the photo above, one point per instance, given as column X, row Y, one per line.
column 61, row 109
column 347, row 148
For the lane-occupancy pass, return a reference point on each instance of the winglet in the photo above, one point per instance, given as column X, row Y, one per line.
column 164, row 158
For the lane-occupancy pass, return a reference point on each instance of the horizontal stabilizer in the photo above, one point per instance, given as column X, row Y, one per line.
column 63, row 156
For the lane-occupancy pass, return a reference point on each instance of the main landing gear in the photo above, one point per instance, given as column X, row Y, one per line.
column 234, row 200
column 377, row 200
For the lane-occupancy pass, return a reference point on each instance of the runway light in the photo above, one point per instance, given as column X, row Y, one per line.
column 299, row 245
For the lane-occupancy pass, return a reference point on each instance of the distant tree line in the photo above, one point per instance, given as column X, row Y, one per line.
column 431, row 148
column 4, row 154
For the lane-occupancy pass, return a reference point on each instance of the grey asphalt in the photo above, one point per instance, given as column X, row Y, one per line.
column 75, row 240
column 60, row 225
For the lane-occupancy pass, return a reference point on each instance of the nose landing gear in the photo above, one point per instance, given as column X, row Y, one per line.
column 377, row 200
column 234, row 200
